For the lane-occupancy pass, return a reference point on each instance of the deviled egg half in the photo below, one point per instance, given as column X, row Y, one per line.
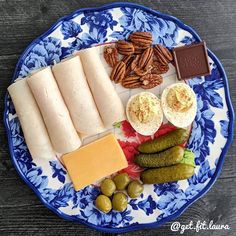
column 179, row 104
column 144, row 113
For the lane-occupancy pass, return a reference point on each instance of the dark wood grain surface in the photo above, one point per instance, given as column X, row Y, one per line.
column 21, row 213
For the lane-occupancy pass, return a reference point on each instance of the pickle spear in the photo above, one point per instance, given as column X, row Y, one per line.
column 167, row 174
column 168, row 157
column 159, row 144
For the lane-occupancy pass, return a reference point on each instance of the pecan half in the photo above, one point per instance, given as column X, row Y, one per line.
column 146, row 58
column 142, row 72
column 131, row 82
column 151, row 80
column 138, row 49
column 143, row 39
column 128, row 60
column 159, row 68
column 111, row 55
column 162, row 54
column 118, row 72
column 124, row 47
column 135, row 62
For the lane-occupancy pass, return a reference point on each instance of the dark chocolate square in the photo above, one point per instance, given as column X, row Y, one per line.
column 191, row 61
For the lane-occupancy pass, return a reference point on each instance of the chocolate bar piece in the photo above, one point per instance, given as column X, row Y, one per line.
column 191, row 61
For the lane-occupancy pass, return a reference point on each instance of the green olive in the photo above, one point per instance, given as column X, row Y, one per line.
column 135, row 188
column 121, row 181
column 103, row 203
column 119, row 201
column 108, row 187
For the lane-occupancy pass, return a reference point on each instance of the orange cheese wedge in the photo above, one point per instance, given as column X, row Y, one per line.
column 94, row 161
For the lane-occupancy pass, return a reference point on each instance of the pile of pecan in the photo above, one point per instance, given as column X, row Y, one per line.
column 142, row 63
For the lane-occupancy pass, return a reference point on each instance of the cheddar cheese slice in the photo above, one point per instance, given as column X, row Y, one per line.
column 94, row 161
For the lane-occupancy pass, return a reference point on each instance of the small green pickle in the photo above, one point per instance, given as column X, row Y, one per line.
column 164, row 142
column 167, row 174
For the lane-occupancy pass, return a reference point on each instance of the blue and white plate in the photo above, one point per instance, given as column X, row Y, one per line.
column 210, row 139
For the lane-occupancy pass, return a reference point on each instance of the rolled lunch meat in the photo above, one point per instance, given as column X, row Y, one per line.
column 32, row 124
column 74, row 88
column 107, row 100
column 54, row 111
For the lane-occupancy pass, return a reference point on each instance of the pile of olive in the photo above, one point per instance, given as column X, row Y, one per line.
column 119, row 200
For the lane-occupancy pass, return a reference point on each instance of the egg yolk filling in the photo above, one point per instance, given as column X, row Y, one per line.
column 143, row 109
column 179, row 99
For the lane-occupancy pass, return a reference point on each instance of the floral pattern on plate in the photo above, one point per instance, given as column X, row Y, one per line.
column 208, row 138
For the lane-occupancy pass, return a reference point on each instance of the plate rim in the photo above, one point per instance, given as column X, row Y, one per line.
column 221, row 157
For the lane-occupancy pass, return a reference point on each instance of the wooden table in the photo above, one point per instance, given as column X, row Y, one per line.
column 20, row 22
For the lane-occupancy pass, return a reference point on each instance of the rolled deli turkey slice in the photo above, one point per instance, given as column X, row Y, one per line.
column 55, row 114
column 74, row 88
column 107, row 100
column 35, row 132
